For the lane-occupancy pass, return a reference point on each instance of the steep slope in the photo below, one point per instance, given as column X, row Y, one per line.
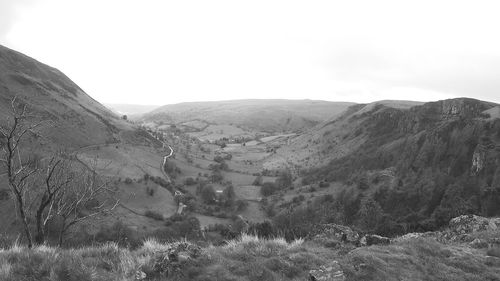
column 71, row 121
column 329, row 139
column 422, row 165
column 78, row 119
column 255, row 115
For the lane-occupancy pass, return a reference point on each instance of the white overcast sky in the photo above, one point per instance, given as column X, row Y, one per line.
column 163, row 52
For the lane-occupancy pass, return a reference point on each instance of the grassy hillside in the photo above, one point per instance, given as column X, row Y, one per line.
column 52, row 96
column 251, row 115
column 89, row 134
column 251, row 258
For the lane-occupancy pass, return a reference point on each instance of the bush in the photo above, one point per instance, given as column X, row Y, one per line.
column 150, row 191
column 284, row 179
column 118, row 233
column 298, row 199
column 241, row 205
column 324, row 184
column 494, row 252
column 208, row 194
column 154, row 215
column 178, row 227
column 171, row 169
column 128, row 180
column 190, row 181
column 257, row 181
column 4, row 194
column 268, row 188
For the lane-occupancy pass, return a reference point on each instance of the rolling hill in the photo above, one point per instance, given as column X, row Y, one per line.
column 251, row 115
column 417, row 166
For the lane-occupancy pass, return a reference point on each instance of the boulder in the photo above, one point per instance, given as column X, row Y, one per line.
column 478, row 244
column 140, row 275
column 330, row 272
column 471, row 223
column 372, row 239
column 461, row 227
column 414, row 235
column 329, row 232
column 169, row 262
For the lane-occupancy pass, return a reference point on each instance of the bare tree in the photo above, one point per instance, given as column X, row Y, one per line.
column 57, row 176
column 68, row 196
column 54, row 189
column 19, row 174
column 86, row 198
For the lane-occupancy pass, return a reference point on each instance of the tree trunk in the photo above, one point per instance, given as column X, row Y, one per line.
column 40, row 231
column 26, row 226
column 61, row 233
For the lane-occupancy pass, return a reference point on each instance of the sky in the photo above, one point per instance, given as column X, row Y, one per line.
column 164, row 52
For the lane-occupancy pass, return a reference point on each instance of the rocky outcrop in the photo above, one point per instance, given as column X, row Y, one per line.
column 463, row 107
column 372, row 239
column 330, row 272
column 415, row 235
column 478, row 160
column 328, row 232
column 471, row 223
column 462, row 229
column 169, row 262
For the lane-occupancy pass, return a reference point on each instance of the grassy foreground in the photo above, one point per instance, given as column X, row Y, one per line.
column 249, row 258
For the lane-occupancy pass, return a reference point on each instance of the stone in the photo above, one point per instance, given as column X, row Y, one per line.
column 329, row 232
column 373, row 239
column 492, row 261
column 169, row 262
column 415, row 235
column 478, row 244
column 466, row 224
column 330, row 272
column 140, row 275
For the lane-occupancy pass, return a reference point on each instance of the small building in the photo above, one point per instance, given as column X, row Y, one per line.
column 219, row 195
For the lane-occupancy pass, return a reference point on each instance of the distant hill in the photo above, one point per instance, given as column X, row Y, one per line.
column 255, row 115
column 130, row 109
column 78, row 119
column 421, row 164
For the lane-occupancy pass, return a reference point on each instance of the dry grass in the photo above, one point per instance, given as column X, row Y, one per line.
column 418, row 259
column 248, row 258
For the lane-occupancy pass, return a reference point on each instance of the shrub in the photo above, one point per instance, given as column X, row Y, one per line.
column 241, row 205
column 208, row 194
column 171, row 169
column 4, row 194
column 268, row 188
column 150, row 191
column 118, row 233
column 494, row 252
column 324, row 184
column 128, row 180
column 154, row 215
column 306, row 181
column 258, row 181
column 284, row 179
column 298, row 199
column 190, row 181
column 178, row 227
